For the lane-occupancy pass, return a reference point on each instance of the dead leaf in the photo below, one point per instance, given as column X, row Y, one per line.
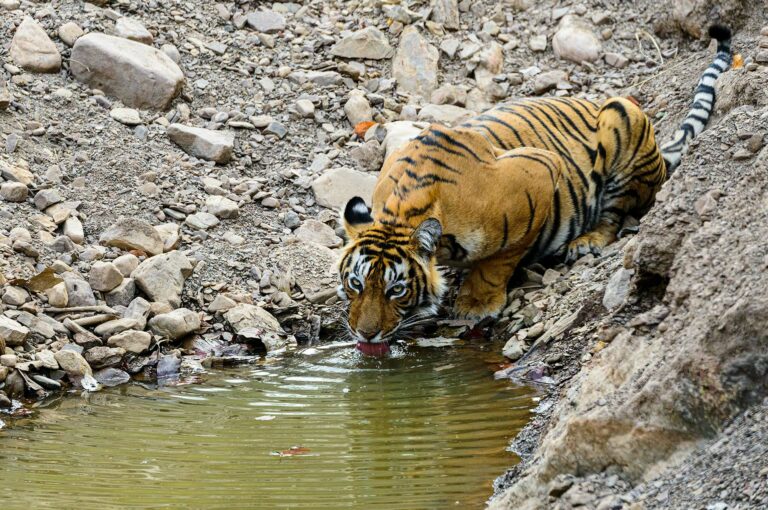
column 362, row 127
column 40, row 282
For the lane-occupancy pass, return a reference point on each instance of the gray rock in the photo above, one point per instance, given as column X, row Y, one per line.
column 110, row 377
column 318, row 232
column 72, row 363
column 15, row 296
column 616, row 60
column 305, row 108
column 48, row 359
column 255, row 323
column 415, row 64
column 103, row 356
column 46, row 198
column 138, row 310
column 14, row 192
column 277, row 129
column 69, row 33
column 123, row 294
column 176, row 324
column 335, row 187
column 137, row 74
column 113, row 327
column 162, row 277
column 514, row 349
column 203, row 143
column 266, row 21
column 357, row 108
column 132, row 29
column 79, row 292
column 545, row 82
column 73, row 229
column 313, row 267
column 221, row 303
column 201, row 220
column 575, row 41
column 104, row 276
column 617, row 290
column 133, row 234
column 447, row 114
column 33, row 50
column 446, row 12
column 127, row 116
column 222, row 207
column 369, row 44
column 168, row 366
column 12, row 333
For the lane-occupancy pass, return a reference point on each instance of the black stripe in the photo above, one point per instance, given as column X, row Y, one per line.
column 455, row 143
column 417, row 211
column 441, row 164
column 531, row 213
column 506, row 230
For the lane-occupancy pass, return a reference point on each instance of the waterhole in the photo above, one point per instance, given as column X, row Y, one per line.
column 317, row 428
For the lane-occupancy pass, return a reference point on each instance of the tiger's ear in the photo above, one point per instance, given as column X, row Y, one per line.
column 356, row 217
column 427, row 236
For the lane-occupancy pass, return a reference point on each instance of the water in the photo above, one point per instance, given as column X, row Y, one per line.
column 427, row 428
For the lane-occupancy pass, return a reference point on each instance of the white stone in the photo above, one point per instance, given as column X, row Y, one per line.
column 447, row 114
column 369, row 44
column 415, row 64
column 201, row 220
column 70, row 32
column 222, row 207
column 358, row 109
column 132, row 29
column 334, row 188
column 33, row 50
column 203, row 143
column 127, row 116
column 575, row 41
column 133, row 234
column 176, row 324
column 73, row 229
column 104, row 276
column 162, row 277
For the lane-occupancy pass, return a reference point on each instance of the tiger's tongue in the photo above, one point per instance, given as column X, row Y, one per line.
column 377, row 349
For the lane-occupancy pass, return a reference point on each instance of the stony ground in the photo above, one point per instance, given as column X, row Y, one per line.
column 185, row 209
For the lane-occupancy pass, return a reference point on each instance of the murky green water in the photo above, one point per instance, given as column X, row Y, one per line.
column 425, row 429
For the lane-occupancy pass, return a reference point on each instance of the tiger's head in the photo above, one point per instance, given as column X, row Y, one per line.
column 388, row 275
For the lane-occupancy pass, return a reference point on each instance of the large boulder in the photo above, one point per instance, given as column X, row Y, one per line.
column 139, row 75
column 162, row 277
column 32, row 49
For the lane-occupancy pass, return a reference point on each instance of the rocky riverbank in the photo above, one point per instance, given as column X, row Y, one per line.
column 170, row 174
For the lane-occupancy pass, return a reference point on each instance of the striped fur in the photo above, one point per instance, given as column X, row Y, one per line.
column 523, row 181
column 703, row 100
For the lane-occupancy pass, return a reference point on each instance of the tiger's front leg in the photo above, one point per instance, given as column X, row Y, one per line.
column 483, row 293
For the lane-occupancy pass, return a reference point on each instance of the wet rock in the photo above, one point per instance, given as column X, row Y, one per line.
column 203, row 143
column 69, row 33
column 104, row 276
column 266, row 21
column 415, row 64
column 369, row 44
column 137, row 74
column 14, row 385
column 514, row 349
column 318, row 232
column 72, row 363
column 11, row 332
column 222, row 207
column 446, row 114
column 73, row 229
column 168, row 366
column 132, row 29
column 79, row 292
column 162, row 277
column 110, row 377
column 358, row 109
column 575, row 41
column 335, row 187
column 127, row 116
column 102, row 356
column 14, row 192
column 617, row 290
column 33, row 50
column 446, row 12
column 133, row 234
column 176, row 324
column 123, row 294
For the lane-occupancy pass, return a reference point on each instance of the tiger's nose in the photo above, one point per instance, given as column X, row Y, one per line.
column 367, row 333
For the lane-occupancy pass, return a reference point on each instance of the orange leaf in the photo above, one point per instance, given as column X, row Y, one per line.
column 738, row 61
column 362, row 127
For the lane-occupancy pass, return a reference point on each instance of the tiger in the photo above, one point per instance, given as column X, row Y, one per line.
column 529, row 179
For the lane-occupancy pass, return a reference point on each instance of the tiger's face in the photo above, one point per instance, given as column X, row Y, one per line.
column 388, row 275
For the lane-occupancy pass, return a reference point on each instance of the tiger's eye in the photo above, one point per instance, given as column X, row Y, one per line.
column 397, row 290
column 355, row 283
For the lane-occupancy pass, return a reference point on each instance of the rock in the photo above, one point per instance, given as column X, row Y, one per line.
column 318, row 232
column 575, row 41
column 104, row 276
column 48, row 359
column 102, row 356
column 514, row 349
column 162, row 277
column 334, row 188
column 446, row 12
column 126, row 264
column 176, row 324
column 57, row 295
column 127, row 116
column 312, row 266
column 172, row 52
column 8, row 360
column 113, row 327
column 203, row 143
column 79, row 292
column 201, row 220
column 46, row 198
column 449, row 46
column 5, row 101
column 131, row 340
column 139, row 309
column 222, row 207
column 547, row 81
column 169, row 233
column 73, row 229
column 366, row 44
column 415, row 64
column 33, row 50
column 168, row 366
column 14, row 385
column 538, row 43
column 490, row 62
column 221, row 303
column 617, row 290
column 110, row 377
column 70, row 32
column 11, row 332
column 449, row 94
column 277, row 129
column 132, row 29
column 133, row 234
column 16, row 173
column 123, row 294
column 358, row 109
column 616, row 60
column 15, row 296
column 14, row 192
column 72, row 363
column 139, row 75
column 266, row 21
column 305, row 108
column 254, row 322
column 446, row 114
column 399, row 133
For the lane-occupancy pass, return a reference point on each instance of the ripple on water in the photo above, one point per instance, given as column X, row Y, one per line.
column 425, row 428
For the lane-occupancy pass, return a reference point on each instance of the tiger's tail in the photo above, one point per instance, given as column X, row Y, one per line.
column 703, row 100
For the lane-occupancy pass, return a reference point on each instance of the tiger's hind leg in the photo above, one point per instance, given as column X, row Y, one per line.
column 629, row 168
column 483, row 293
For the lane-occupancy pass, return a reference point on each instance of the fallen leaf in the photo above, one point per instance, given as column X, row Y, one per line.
column 362, row 127
column 738, row 61
column 41, row 282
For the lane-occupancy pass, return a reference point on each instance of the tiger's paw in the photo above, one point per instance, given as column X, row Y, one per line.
column 479, row 306
column 592, row 242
